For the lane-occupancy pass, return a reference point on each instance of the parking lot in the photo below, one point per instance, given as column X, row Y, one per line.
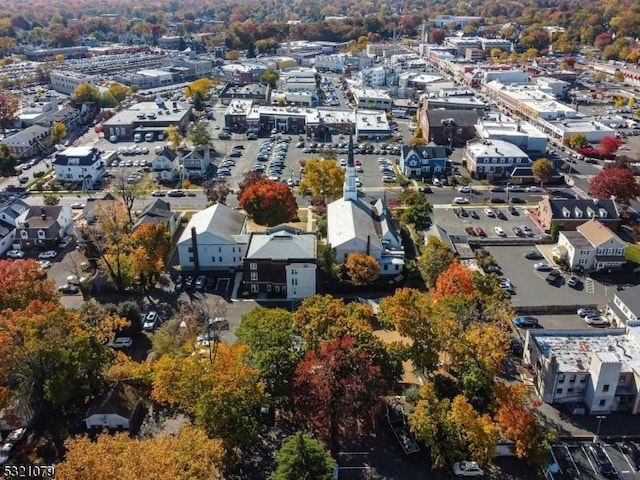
column 576, row 462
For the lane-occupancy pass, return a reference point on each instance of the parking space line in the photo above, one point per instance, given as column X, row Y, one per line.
column 626, row 459
column 572, row 460
column 588, row 457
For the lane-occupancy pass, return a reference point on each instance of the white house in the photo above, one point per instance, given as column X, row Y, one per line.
column 28, row 142
column 281, row 261
column 214, row 239
column 9, row 214
column 43, row 226
column 117, row 409
column 164, row 166
column 625, row 307
column 79, row 164
column 196, row 163
column 493, row 158
column 355, row 226
column 592, row 246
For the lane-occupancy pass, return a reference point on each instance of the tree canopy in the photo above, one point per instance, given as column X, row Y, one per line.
column 619, row 183
column 324, row 178
column 269, row 202
column 303, row 458
column 543, row 170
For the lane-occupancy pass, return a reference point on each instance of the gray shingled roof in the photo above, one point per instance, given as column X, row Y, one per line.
column 218, row 220
column 631, row 298
column 461, row 118
column 557, row 208
column 282, row 243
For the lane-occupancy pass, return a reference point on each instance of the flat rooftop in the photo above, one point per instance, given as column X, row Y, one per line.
column 574, row 349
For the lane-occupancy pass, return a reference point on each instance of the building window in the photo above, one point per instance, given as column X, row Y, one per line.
column 605, row 388
column 602, row 403
column 570, row 390
column 253, row 266
column 572, row 379
column 559, row 391
column 269, row 288
column 583, row 379
column 191, row 259
column 190, row 250
column 254, row 288
column 254, row 276
column 386, row 267
column 219, row 249
column 220, row 259
column 561, row 379
column 277, row 288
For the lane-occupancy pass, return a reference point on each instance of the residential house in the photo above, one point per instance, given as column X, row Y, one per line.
column 118, row 409
column 91, row 209
column 592, row 247
column 355, row 226
column 164, row 166
column 9, row 213
column 493, row 159
column 625, row 307
column 43, row 227
column 423, row 161
column 598, row 367
column 159, row 211
column 197, row 163
column 214, row 239
column 79, row 164
column 29, row 142
column 573, row 212
column 281, row 261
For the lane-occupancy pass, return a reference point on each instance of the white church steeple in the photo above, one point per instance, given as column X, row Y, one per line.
column 350, row 190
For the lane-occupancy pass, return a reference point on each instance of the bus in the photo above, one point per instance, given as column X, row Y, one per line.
column 400, row 113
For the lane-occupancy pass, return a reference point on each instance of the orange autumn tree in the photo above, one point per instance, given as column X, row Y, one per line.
column 186, row 456
column 269, row 202
column 362, row 268
column 20, row 284
column 455, row 281
column 517, row 418
column 151, row 243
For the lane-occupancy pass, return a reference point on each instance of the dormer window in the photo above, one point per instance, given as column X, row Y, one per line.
column 566, row 213
column 602, row 213
column 577, row 212
column 591, row 212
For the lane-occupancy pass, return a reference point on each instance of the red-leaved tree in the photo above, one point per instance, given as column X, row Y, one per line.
column 337, row 390
column 269, row 203
column 615, row 182
column 609, row 145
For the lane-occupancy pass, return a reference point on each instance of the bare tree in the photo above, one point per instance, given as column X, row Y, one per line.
column 129, row 190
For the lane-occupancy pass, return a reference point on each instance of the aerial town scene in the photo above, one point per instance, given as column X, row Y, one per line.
column 289, row 240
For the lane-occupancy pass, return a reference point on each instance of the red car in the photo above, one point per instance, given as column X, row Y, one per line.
column 480, row 232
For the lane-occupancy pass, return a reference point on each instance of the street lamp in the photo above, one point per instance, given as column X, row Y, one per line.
column 508, row 189
column 600, row 418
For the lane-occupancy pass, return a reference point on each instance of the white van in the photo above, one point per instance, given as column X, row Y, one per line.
column 148, row 137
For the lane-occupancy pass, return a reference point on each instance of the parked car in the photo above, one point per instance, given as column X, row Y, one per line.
column 151, row 321
column 47, row 254
column 574, row 282
column 500, row 214
column 543, row 267
column 602, row 460
column 188, row 282
column 465, row 189
column 219, row 323
column 517, row 231
column 517, row 200
column 179, row 283
column 200, row 282
column 467, row 469
column 554, row 277
column 632, row 450
column 596, row 321
column 474, row 214
column 158, row 193
column 513, row 210
column 496, row 189
column 525, row 321
column 461, row 212
column 489, row 212
column 584, row 311
column 77, row 206
column 69, row 288
column 175, row 193
column 120, row 342
column 497, row 200
column 15, row 254
column 499, row 231
column 461, row 200
column 480, row 232
column 516, row 346
column 532, row 188
column 533, row 255
column 526, row 230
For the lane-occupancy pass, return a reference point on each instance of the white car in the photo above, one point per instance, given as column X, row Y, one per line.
column 465, row 189
column 542, row 267
column 44, row 264
column 532, row 188
column 596, row 321
column 489, row 213
column 48, row 254
column 467, row 469
column 461, row 200
column 151, row 321
column 15, row 254
column 499, row 231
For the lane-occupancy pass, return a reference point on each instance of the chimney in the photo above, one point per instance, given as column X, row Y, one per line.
column 368, row 244
column 43, row 213
column 194, row 246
